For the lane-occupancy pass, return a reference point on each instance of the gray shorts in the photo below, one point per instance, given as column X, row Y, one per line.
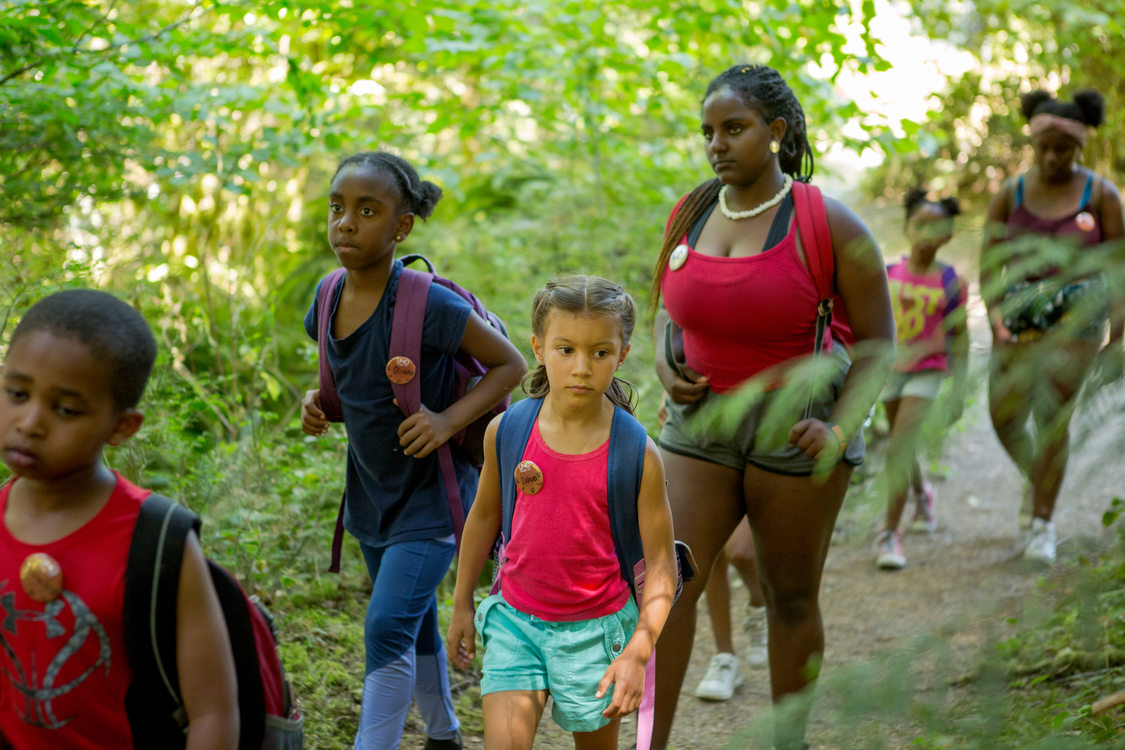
column 742, row 427
column 922, row 384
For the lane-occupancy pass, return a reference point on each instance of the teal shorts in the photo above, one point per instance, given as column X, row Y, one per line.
column 568, row 659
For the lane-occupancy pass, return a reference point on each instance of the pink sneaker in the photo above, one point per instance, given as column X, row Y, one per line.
column 888, row 551
column 925, row 512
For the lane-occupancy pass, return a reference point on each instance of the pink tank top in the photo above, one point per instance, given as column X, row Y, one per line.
column 560, row 564
column 742, row 316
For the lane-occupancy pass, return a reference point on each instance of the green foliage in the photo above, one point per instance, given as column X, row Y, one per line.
column 974, row 136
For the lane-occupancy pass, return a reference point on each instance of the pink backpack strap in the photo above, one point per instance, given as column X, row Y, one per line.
column 329, row 398
column 406, row 341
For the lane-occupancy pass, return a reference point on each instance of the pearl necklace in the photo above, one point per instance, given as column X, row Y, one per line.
column 752, row 212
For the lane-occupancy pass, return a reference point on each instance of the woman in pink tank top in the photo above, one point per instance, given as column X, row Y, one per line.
column 736, row 280
column 1041, row 283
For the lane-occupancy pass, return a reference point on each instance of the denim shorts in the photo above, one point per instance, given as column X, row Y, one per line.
column 758, row 434
column 922, row 384
column 568, row 659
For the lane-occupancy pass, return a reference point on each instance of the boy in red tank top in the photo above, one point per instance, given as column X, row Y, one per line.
column 75, row 369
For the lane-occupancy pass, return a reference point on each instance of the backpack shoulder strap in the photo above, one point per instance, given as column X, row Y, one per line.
column 951, row 283
column 152, row 582
column 407, row 322
column 626, row 464
column 512, row 435
column 329, row 398
column 152, row 585
column 406, row 333
column 816, row 236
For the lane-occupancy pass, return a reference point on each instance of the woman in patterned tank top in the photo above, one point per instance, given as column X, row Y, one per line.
column 1044, row 249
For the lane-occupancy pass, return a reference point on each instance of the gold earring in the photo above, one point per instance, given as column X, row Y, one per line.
column 774, row 147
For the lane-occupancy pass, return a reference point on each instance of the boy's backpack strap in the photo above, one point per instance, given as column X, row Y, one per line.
column 329, row 398
column 152, row 583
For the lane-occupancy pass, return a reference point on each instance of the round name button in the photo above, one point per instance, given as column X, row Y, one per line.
column 401, row 370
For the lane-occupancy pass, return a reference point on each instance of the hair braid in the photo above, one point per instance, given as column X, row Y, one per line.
column 689, row 212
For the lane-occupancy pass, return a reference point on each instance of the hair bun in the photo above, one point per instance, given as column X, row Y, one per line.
column 428, row 196
column 913, row 196
column 951, row 205
column 1091, row 105
column 1032, row 100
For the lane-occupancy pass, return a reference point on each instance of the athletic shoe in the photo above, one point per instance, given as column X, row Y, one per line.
column 925, row 513
column 721, row 679
column 451, row 744
column 889, row 551
column 758, row 654
column 1041, row 542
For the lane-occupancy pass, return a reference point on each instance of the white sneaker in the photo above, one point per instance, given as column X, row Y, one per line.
column 888, row 551
column 1041, row 542
column 721, row 679
column 758, row 654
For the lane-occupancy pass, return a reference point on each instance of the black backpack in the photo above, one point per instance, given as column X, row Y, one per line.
column 153, row 703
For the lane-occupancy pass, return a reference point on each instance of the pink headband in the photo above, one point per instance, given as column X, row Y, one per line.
column 1073, row 128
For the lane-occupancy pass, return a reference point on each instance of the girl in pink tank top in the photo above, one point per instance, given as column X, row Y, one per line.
column 564, row 622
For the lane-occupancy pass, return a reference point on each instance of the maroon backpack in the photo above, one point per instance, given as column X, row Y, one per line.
column 406, row 342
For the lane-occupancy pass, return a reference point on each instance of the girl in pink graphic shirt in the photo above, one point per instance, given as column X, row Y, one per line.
column 929, row 305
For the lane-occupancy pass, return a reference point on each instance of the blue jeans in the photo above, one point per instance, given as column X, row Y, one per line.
column 405, row 650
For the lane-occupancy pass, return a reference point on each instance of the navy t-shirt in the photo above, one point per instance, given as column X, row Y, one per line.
column 390, row 496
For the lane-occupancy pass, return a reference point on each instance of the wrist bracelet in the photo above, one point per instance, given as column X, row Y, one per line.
column 838, row 431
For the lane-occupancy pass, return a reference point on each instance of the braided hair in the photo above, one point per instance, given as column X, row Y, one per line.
column 583, row 295
column 416, row 196
column 763, row 89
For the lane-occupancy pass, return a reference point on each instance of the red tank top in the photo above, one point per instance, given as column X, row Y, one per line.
column 560, row 564
column 64, row 668
column 742, row 316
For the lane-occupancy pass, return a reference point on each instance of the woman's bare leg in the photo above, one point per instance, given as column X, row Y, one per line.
column 707, row 503
column 792, row 519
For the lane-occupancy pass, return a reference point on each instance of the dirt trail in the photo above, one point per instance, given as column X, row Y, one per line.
column 958, row 581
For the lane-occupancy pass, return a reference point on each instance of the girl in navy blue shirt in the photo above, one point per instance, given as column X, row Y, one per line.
column 394, row 502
